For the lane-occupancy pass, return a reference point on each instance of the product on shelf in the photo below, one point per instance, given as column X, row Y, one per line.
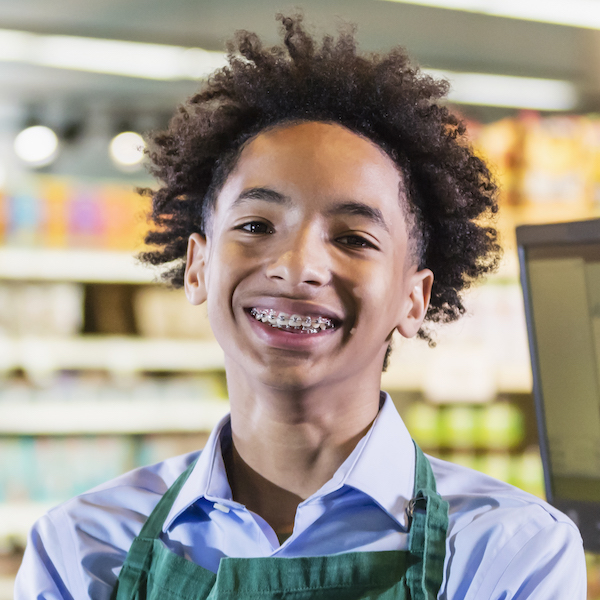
column 528, row 472
column 163, row 312
column 458, row 427
column 500, row 426
column 53, row 469
column 40, row 309
column 480, row 437
column 60, row 212
column 593, row 573
column 551, row 164
column 495, row 426
column 554, row 161
column 500, row 144
column 422, row 420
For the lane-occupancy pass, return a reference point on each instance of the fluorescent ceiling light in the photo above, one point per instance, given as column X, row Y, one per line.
column 131, row 59
column 513, row 92
column 577, row 13
column 158, row 61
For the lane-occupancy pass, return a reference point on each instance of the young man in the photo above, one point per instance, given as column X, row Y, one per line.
column 311, row 196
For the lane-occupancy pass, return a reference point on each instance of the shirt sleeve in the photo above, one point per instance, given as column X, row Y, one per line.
column 39, row 576
column 550, row 566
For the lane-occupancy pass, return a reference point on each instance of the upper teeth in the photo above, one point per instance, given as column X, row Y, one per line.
column 282, row 320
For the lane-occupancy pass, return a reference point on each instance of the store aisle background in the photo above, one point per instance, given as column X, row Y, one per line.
column 86, row 332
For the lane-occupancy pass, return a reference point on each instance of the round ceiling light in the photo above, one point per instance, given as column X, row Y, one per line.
column 127, row 149
column 37, row 145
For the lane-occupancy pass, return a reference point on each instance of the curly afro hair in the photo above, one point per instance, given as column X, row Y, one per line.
column 449, row 191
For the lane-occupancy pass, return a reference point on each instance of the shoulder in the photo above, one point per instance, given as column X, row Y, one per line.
column 473, row 497
column 80, row 545
column 505, row 538
column 121, row 502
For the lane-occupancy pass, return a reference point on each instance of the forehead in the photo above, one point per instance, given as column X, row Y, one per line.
column 327, row 145
column 318, row 160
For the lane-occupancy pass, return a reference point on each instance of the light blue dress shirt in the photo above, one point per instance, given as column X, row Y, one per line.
column 502, row 543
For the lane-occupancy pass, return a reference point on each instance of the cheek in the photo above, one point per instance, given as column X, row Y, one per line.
column 228, row 268
column 380, row 298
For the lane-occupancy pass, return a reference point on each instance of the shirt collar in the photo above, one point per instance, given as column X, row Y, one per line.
column 382, row 465
column 384, row 455
column 208, row 478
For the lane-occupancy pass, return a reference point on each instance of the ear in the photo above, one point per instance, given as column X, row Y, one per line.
column 194, row 283
column 417, row 302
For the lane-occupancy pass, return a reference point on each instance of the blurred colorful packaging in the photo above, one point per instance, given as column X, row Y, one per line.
column 500, row 144
column 554, row 161
column 49, row 211
column 591, row 143
column 500, row 427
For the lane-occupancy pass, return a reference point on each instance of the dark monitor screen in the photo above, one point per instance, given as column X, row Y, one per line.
column 560, row 275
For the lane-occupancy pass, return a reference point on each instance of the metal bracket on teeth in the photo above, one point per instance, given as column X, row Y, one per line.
column 282, row 321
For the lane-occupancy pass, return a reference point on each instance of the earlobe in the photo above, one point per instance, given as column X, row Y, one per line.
column 417, row 303
column 194, row 278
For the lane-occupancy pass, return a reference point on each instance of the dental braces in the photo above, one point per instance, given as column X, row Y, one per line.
column 294, row 322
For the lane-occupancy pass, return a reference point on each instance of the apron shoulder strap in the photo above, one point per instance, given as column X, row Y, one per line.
column 428, row 514
column 153, row 525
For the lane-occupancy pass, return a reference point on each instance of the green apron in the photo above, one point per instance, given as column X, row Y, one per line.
column 152, row 572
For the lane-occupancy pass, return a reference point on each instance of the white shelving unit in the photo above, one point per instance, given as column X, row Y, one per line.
column 119, row 354
column 94, row 417
column 50, row 264
column 467, row 383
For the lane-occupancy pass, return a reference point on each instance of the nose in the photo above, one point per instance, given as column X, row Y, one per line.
column 303, row 259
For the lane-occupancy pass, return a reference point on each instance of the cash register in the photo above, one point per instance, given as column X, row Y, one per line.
column 560, row 277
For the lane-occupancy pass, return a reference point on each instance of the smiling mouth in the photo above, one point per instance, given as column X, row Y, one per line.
column 293, row 323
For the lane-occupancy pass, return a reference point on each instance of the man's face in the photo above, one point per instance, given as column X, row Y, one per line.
column 308, row 224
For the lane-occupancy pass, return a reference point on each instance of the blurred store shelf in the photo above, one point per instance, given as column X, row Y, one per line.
column 48, row 264
column 110, row 417
column 16, row 519
column 478, row 379
column 120, row 354
column 472, row 362
column 6, row 587
column 440, row 383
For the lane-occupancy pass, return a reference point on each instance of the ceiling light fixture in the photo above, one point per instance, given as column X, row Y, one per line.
column 156, row 61
column 113, row 57
column 127, row 149
column 37, row 145
column 512, row 92
column 576, row 13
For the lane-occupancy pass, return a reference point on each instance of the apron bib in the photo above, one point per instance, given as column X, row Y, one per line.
column 152, row 572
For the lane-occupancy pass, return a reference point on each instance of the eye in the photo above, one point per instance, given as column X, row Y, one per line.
column 256, row 227
column 356, row 241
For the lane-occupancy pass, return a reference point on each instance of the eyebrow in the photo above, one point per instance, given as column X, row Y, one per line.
column 259, row 193
column 350, row 207
column 360, row 209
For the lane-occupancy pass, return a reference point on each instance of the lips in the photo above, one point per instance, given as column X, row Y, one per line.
column 280, row 318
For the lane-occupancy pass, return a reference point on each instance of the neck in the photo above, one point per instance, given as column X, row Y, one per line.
column 288, row 444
